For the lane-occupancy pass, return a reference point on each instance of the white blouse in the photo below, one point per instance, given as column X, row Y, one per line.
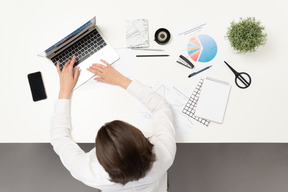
column 85, row 166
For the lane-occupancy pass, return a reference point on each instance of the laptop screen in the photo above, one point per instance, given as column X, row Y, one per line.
column 71, row 36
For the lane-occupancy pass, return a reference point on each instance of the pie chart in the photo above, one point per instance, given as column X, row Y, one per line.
column 202, row 48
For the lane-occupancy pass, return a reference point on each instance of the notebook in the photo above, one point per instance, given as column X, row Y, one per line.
column 190, row 106
column 213, row 99
column 137, row 34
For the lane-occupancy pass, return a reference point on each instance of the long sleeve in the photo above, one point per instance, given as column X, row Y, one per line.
column 85, row 166
column 161, row 111
column 71, row 155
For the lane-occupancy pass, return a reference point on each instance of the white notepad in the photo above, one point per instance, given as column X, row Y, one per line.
column 213, row 100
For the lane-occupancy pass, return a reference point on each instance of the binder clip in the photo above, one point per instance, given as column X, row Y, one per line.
column 184, row 61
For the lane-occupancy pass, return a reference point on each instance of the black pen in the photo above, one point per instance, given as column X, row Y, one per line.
column 152, row 55
column 195, row 73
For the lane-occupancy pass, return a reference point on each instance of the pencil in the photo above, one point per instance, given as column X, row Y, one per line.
column 152, row 55
column 144, row 49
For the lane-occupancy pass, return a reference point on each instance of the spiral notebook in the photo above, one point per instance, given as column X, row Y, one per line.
column 213, row 100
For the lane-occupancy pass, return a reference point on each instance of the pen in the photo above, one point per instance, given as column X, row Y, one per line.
column 195, row 73
column 152, row 55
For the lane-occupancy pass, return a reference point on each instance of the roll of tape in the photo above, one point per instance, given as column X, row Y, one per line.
column 162, row 36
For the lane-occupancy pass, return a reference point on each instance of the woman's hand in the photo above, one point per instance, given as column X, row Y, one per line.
column 108, row 74
column 67, row 79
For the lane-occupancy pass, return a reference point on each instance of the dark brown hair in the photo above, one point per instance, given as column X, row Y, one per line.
column 124, row 152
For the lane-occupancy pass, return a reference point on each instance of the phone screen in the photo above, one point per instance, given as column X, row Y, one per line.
column 37, row 86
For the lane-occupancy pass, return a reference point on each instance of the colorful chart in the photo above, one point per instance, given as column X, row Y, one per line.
column 202, row 48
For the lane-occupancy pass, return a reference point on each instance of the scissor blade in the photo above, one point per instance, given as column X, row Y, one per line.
column 233, row 70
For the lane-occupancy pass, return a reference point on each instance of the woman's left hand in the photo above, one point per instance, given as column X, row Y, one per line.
column 108, row 74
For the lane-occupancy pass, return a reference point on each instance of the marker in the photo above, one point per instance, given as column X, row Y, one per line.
column 195, row 73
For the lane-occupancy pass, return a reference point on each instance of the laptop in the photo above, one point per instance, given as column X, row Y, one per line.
column 88, row 46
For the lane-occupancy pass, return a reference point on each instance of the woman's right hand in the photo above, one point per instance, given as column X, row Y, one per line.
column 108, row 74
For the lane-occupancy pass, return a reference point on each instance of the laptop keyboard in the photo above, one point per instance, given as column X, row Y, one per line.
column 82, row 49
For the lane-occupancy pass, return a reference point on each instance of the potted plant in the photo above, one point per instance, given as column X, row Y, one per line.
column 246, row 35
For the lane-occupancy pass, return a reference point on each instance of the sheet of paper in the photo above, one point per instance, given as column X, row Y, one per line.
column 177, row 96
column 199, row 44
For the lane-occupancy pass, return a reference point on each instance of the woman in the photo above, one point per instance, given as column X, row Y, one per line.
column 123, row 159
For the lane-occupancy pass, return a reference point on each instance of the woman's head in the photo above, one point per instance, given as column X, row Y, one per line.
column 123, row 151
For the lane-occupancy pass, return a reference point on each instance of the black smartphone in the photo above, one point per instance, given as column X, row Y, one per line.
column 37, row 86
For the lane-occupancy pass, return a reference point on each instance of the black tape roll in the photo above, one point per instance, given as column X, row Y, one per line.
column 162, row 36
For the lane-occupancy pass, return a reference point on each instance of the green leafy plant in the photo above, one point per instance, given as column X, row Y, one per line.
column 246, row 35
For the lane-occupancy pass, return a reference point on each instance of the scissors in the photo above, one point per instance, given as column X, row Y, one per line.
column 242, row 79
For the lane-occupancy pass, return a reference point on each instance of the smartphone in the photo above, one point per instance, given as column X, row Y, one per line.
column 37, row 86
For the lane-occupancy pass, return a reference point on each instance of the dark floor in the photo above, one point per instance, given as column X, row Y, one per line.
column 197, row 168
column 230, row 168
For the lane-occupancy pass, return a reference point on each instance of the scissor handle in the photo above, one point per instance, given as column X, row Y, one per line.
column 244, row 78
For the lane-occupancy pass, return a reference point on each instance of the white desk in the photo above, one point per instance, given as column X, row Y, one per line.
column 258, row 114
